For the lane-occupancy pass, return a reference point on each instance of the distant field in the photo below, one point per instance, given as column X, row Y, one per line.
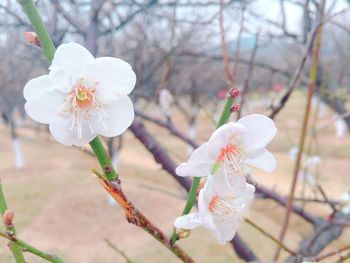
column 60, row 207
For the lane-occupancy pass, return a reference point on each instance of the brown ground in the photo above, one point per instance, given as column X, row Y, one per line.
column 60, row 207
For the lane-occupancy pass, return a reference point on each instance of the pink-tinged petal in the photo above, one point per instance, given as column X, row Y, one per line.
column 260, row 130
column 199, row 163
column 262, row 159
column 189, row 221
column 226, row 227
column 112, row 75
column 45, row 106
column 61, row 129
column 116, row 117
column 73, row 58
column 37, row 86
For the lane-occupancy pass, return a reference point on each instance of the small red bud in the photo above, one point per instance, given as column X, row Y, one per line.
column 234, row 107
column 32, row 38
column 233, row 93
column 8, row 217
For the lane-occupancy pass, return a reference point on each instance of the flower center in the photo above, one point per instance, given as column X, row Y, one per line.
column 82, row 103
column 220, row 206
column 228, row 150
column 84, row 96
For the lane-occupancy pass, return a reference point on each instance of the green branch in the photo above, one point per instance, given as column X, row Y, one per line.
column 28, row 248
column 191, row 199
column 16, row 251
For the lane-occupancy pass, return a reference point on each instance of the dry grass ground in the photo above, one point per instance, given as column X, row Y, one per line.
column 60, row 207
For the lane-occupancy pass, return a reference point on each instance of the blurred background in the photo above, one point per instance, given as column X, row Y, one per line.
column 186, row 55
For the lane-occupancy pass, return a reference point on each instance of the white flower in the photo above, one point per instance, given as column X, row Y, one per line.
column 232, row 147
column 345, row 203
column 82, row 96
column 165, row 101
column 220, row 207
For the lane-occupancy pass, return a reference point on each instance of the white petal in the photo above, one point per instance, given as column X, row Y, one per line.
column 60, row 129
column 260, row 130
column 262, row 159
column 117, row 117
column 44, row 107
column 199, row 163
column 62, row 79
column 36, row 87
column 226, row 227
column 228, row 133
column 73, row 58
column 346, row 209
column 204, row 197
column 112, row 75
column 189, row 221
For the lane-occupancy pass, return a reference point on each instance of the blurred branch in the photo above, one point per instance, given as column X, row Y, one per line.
column 316, row 46
column 120, row 252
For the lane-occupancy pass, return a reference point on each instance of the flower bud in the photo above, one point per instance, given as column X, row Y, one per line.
column 183, row 233
column 234, row 107
column 233, row 93
column 32, row 38
column 8, row 217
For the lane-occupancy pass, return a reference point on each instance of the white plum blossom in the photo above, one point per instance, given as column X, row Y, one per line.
column 233, row 147
column 220, row 207
column 165, row 101
column 82, row 96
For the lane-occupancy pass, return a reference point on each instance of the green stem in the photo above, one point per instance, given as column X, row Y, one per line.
column 16, row 251
column 31, row 249
column 191, row 199
column 103, row 159
column 46, row 43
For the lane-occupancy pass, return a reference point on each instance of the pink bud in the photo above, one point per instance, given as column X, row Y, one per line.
column 234, row 107
column 233, row 93
column 8, row 217
column 32, row 38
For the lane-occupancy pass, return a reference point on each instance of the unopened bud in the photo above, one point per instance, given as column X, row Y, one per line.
column 234, row 107
column 233, row 93
column 183, row 233
column 8, row 217
column 32, row 38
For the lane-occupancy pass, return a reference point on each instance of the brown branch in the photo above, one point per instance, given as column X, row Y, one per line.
column 135, row 217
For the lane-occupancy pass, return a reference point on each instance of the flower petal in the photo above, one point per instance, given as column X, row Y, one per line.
column 189, row 221
column 112, row 75
column 73, row 58
column 44, row 107
column 226, row 227
column 262, row 159
column 226, row 134
column 260, row 130
column 116, row 117
column 37, row 86
column 60, row 129
column 199, row 163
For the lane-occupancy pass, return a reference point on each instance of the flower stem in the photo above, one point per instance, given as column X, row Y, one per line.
column 46, row 43
column 103, row 159
column 31, row 249
column 191, row 199
column 16, row 251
